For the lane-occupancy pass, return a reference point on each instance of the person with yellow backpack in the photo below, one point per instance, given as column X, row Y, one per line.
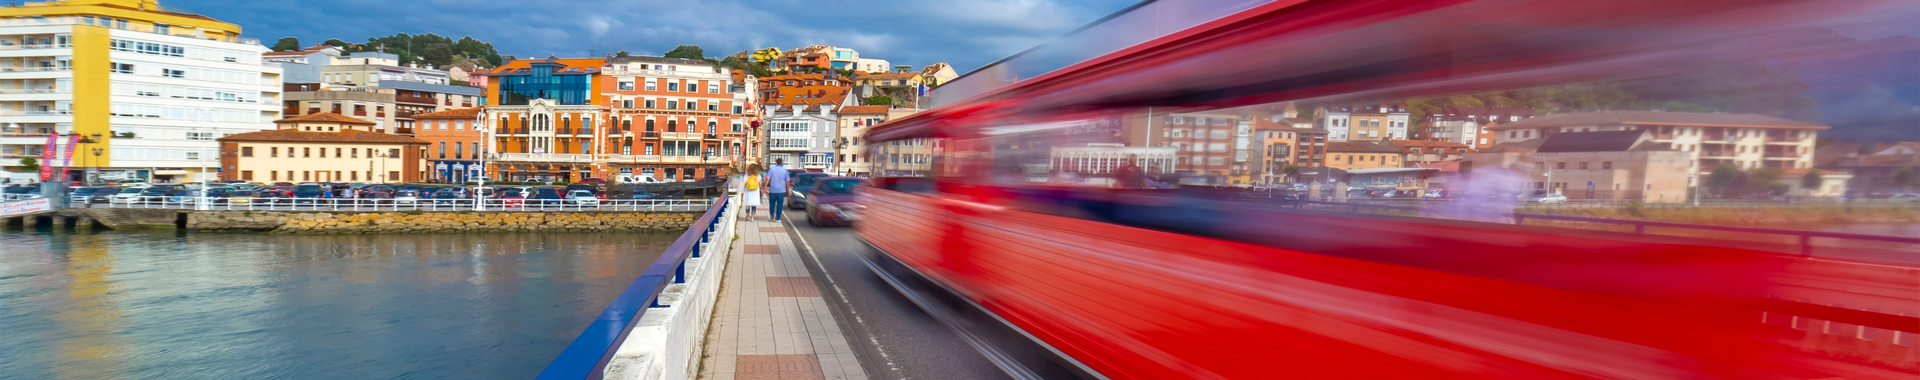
column 750, row 191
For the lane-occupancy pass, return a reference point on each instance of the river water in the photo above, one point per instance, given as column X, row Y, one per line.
column 168, row 305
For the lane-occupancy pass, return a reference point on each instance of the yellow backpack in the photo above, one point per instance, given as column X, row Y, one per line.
column 753, row 183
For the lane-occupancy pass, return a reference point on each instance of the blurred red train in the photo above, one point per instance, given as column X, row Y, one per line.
column 1040, row 190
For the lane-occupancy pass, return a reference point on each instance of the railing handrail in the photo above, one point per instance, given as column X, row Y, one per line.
column 609, row 330
column 1640, row 226
column 389, row 204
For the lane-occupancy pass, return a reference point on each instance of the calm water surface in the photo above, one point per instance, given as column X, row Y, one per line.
column 166, row 305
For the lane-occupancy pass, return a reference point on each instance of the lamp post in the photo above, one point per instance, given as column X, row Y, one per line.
column 93, row 174
column 480, row 120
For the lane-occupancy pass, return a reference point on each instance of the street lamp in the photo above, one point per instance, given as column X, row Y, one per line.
column 93, row 175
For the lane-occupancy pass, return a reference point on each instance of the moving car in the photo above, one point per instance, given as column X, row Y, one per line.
column 802, row 183
column 583, row 198
column 830, row 202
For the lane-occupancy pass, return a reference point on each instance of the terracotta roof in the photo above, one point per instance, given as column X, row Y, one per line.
column 863, row 109
column 1899, row 160
column 594, row 63
column 1600, row 141
column 324, row 117
column 890, row 76
column 1514, row 146
column 1360, row 147
column 1656, row 118
column 346, row 136
column 460, row 113
column 1447, row 166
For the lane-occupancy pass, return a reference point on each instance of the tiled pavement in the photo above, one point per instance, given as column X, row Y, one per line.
column 771, row 322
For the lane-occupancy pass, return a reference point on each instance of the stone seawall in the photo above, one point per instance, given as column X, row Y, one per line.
column 436, row 222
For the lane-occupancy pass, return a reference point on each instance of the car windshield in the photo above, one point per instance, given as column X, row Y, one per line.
column 188, row 193
column 406, row 193
column 240, row 193
column 306, row 190
column 838, row 186
column 546, row 192
column 511, row 193
column 156, row 191
column 446, row 195
column 807, row 179
column 85, row 190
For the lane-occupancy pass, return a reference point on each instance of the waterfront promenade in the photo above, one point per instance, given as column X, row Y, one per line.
column 771, row 321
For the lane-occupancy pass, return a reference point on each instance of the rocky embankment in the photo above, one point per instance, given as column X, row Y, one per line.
column 437, row 222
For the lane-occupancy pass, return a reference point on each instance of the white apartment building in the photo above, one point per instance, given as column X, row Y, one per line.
column 1745, row 141
column 1338, row 121
column 802, row 136
column 145, row 97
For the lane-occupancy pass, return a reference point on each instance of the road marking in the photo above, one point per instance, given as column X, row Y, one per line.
column 844, row 299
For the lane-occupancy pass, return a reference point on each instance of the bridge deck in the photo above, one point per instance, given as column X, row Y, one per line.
column 771, row 321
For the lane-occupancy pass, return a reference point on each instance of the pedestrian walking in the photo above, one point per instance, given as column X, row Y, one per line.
column 750, row 191
column 777, row 181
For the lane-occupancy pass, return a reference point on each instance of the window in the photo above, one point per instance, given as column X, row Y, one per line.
column 673, row 87
column 651, row 87
column 713, row 106
column 200, row 136
column 323, row 152
column 713, row 88
column 171, row 73
column 246, row 151
column 1583, row 166
column 306, row 152
column 193, row 155
column 395, row 153
column 393, row 175
column 1606, row 165
column 626, row 103
column 353, row 153
column 123, row 68
column 1560, row 165
column 649, row 103
column 736, row 110
column 626, row 86
column 246, row 175
column 275, row 152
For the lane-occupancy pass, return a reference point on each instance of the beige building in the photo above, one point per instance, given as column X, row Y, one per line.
column 322, row 147
column 1350, row 155
column 849, row 148
column 1709, row 139
column 1607, row 165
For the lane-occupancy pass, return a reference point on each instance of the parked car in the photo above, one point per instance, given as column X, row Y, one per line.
column 830, row 202
column 639, row 179
column 594, row 181
column 597, row 191
column 802, row 183
column 23, row 191
column 156, row 194
column 1543, row 196
column 447, row 197
column 406, row 197
column 512, row 197
column 104, row 194
column 308, row 193
column 643, row 194
column 583, row 198
column 184, row 197
column 542, row 196
column 239, row 197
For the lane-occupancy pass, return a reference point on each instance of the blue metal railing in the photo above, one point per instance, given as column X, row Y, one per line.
column 588, row 355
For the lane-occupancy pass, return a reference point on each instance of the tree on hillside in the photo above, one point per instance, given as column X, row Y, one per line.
column 880, row 100
column 1764, row 180
column 686, row 51
column 622, row 53
column 287, row 44
column 437, row 54
column 336, row 43
column 1723, row 178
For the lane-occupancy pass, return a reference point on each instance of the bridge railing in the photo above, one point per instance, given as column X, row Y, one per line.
column 1803, row 237
column 681, row 286
column 387, row 204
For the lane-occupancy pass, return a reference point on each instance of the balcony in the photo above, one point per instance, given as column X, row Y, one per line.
column 545, row 157
column 649, row 135
column 712, row 136
column 1784, row 140
column 1716, row 154
column 402, row 97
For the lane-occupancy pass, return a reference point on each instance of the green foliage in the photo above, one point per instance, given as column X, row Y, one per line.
column 759, row 71
column 686, row 51
column 1764, row 179
column 622, row 53
column 1682, row 107
column 29, row 163
column 1723, row 177
column 287, row 44
column 880, row 100
column 1905, row 176
column 1292, row 171
column 335, row 42
column 428, row 48
column 1811, row 180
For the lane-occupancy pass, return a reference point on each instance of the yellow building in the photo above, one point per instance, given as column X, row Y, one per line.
column 1349, row 155
column 322, row 147
column 141, row 87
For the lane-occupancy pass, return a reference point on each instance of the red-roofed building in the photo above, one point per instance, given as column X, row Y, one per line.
column 321, row 147
column 1742, row 140
column 677, row 119
column 544, row 115
column 455, row 143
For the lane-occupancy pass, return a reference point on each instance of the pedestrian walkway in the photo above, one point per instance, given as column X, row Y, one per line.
column 771, row 322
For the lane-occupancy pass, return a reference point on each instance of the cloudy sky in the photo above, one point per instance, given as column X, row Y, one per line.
column 965, row 33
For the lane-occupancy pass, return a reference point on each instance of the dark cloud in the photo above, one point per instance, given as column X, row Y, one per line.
column 965, row 33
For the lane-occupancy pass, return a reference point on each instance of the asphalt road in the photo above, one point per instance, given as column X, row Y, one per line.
column 894, row 338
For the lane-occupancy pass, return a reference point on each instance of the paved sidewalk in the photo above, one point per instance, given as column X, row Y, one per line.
column 771, row 322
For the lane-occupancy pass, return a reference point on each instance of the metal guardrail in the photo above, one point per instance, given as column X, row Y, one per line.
column 382, row 204
column 588, row 355
column 1639, row 226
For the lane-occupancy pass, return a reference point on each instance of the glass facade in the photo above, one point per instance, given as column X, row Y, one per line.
column 541, row 82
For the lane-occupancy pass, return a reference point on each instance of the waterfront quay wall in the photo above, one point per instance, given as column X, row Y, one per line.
column 338, row 222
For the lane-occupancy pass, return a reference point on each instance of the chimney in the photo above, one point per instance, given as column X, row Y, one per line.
column 826, row 110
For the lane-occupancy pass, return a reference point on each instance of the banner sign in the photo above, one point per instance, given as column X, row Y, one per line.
column 72, row 142
column 46, row 158
column 26, row 206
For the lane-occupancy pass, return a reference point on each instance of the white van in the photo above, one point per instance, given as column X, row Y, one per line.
column 638, row 179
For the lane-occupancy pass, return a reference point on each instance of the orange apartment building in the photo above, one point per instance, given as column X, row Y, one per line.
column 674, row 119
column 543, row 115
column 455, row 144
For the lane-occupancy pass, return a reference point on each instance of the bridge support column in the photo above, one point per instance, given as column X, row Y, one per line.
column 82, row 224
column 29, row 222
column 15, row 221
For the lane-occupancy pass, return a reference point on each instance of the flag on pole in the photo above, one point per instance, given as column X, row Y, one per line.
column 923, row 90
